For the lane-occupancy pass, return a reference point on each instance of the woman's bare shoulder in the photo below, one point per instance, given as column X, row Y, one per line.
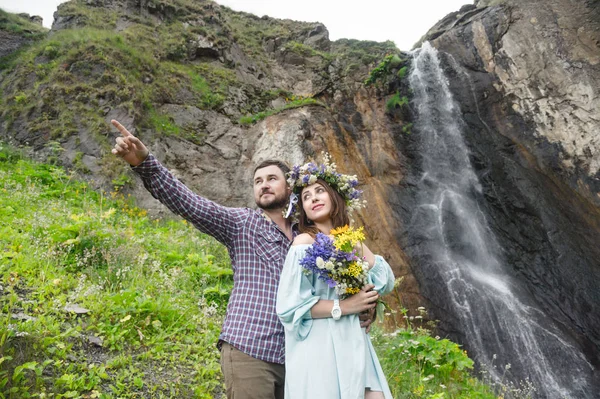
column 303, row 238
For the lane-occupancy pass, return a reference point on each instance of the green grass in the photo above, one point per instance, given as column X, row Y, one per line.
column 306, row 51
column 79, row 73
column 16, row 24
column 155, row 290
column 251, row 119
column 362, row 51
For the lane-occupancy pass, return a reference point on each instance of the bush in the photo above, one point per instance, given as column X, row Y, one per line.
column 396, row 101
column 390, row 62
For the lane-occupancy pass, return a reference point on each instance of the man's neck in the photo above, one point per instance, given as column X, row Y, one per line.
column 276, row 216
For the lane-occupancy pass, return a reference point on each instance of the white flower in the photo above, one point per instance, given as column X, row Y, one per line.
column 329, row 265
column 320, row 262
column 312, row 179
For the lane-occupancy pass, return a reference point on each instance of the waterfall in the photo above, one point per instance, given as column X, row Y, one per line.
column 450, row 240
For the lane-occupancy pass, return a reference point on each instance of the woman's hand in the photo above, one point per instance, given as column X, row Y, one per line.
column 366, row 299
column 129, row 147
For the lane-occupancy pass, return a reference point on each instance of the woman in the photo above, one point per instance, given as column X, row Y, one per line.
column 328, row 356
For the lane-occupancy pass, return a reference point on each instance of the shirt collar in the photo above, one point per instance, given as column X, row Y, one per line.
column 262, row 213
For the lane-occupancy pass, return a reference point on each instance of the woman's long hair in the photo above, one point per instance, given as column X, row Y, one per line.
column 339, row 212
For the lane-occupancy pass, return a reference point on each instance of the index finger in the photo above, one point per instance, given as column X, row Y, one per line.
column 121, row 128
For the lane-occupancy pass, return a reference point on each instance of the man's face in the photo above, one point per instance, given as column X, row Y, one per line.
column 270, row 188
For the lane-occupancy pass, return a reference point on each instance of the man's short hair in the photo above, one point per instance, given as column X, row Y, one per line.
column 270, row 162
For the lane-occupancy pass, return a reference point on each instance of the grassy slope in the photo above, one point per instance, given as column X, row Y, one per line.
column 16, row 24
column 156, row 292
column 64, row 83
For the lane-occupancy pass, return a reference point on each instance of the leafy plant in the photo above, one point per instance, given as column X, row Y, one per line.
column 396, row 102
column 390, row 62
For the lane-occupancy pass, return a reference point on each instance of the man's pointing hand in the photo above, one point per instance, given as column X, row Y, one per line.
column 129, row 147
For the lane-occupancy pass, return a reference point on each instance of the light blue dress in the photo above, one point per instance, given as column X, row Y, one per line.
column 325, row 358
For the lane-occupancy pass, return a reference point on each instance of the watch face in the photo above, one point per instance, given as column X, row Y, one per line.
column 336, row 313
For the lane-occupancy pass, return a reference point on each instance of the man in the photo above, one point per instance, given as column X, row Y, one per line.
column 252, row 338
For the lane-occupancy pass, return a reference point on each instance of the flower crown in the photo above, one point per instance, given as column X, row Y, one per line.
column 307, row 174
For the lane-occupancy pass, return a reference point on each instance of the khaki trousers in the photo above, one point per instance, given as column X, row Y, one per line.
column 250, row 378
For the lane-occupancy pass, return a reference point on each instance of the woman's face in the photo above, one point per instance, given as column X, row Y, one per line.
column 316, row 202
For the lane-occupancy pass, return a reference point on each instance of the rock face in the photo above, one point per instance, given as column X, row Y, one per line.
column 526, row 75
column 544, row 59
column 10, row 43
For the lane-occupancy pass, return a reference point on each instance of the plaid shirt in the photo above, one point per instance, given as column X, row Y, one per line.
column 257, row 248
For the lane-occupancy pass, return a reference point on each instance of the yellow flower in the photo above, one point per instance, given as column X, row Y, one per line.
column 339, row 230
column 352, row 290
column 354, row 269
column 349, row 235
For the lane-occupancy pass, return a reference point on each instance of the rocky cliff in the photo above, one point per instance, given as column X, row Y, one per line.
column 526, row 74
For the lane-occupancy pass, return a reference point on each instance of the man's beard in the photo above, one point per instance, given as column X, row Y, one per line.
column 279, row 202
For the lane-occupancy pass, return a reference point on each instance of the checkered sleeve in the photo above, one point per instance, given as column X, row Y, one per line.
column 207, row 216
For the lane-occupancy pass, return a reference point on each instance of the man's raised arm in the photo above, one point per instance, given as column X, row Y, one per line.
column 207, row 216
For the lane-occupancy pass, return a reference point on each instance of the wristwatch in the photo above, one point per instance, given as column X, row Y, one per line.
column 336, row 312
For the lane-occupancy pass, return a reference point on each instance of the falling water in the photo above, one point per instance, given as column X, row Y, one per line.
column 508, row 336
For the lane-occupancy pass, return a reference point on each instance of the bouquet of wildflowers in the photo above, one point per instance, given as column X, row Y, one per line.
column 337, row 262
